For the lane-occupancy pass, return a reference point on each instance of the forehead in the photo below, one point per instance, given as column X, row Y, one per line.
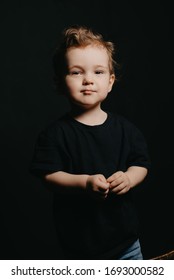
column 92, row 54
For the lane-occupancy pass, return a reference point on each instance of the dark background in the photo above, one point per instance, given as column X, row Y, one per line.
column 29, row 33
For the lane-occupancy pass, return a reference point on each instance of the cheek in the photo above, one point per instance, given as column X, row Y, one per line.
column 106, row 86
column 69, row 84
column 72, row 87
column 110, row 85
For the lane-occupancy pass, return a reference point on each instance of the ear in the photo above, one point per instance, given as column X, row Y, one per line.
column 111, row 82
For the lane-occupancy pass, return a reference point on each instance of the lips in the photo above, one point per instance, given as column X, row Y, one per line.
column 88, row 91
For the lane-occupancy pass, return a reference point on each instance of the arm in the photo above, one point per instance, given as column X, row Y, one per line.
column 136, row 175
column 122, row 182
column 66, row 180
column 94, row 184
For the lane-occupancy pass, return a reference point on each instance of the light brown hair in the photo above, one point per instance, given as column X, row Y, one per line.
column 79, row 36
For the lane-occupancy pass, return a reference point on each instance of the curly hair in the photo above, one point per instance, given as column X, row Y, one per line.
column 79, row 36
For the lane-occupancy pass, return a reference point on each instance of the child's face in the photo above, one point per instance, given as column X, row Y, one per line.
column 88, row 79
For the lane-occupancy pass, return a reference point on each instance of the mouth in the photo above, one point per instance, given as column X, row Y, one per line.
column 87, row 91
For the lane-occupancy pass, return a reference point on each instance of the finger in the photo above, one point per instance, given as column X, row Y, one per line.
column 115, row 176
column 102, row 186
column 123, row 191
column 102, row 177
column 116, row 182
column 104, row 192
column 118, row 188
column 111, row 178
column 101, row 195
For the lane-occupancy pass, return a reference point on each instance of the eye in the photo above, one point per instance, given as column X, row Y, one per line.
column 98, row 72
column 75, row 72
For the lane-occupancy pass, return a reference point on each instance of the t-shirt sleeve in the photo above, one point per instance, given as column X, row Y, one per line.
column 139, row 154
column 47, row 157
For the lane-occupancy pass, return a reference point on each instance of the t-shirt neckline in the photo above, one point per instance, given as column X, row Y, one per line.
column 96, row 126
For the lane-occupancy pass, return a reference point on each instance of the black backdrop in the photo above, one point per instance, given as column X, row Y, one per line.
column 29, row 32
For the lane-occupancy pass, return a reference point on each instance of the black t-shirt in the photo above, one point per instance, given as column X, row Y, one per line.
column 87, row 228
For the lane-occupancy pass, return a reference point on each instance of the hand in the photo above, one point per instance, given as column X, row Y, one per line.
column 97, row 186
column 119, row 183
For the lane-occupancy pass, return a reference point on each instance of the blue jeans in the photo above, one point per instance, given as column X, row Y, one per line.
column 133, row 252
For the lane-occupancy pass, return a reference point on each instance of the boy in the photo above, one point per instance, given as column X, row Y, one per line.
column 91, row 158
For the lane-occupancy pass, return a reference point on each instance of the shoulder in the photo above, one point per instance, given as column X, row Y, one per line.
column 53, row 128
column 123, row 122
column 57, row 123
column 127, row 128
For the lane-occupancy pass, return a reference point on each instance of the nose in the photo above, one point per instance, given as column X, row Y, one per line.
column 87, row 79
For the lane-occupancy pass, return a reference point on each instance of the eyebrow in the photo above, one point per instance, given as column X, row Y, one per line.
column 95, row 66
column 103, row 66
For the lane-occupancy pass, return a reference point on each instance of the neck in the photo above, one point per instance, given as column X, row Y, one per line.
column 92, row 116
